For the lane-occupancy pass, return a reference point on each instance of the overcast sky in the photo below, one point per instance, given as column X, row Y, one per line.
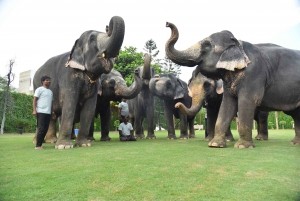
column 33, row 31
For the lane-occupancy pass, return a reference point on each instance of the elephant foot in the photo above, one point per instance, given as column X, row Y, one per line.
column 171, row 137
column 91, row 139
column 192, row 136
column 151, row 136
column 244, row 144
column 82, row 143
column 184, row 137
column 52, row 139
column 105, row 138
column 295, row 141
column 139, row 136
column 217, row 143
column 209, row 138
column 229, row 138
column 64, row 145
column 261, row 137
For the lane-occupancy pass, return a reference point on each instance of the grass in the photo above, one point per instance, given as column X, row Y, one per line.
column 150, row 170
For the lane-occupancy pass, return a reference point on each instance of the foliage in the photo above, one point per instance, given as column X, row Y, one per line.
column 20, row 110
column 150, row 47
column 161, row 170
column 169, row 67
column 127, row 62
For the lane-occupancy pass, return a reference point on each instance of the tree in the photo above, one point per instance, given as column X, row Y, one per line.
column 127, row 62
column 169, row 67
column 10, row 78
column 150, row 46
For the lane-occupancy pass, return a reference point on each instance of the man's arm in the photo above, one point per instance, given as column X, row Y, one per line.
column 131, row 133
column 121, row 134
column 34, row 105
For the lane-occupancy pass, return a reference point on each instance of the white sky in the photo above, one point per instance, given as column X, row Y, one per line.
column 33, row 31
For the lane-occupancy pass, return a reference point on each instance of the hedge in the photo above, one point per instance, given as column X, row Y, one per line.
column 20, row 111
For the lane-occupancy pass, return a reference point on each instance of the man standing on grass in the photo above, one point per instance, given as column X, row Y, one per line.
column 123, row 110
column 42, row 109
column 126, row 130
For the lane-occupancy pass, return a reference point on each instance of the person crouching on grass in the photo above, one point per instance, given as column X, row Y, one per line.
column 126, row 130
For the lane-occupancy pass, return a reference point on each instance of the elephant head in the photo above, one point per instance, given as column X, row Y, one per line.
column 167, row 86
column 219, row 52
column 94, row 51
column 201, row 89
column 113, row 86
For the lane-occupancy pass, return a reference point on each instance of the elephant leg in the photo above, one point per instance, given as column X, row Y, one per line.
column 170, row 123
column 183, row 126
column 191, row 127
column 51, row 133
column 86, row 118
column 212, row 114
column 90, row 136
column 229, row 136
column 245, row 114
column 138, row 126
column 227, row 111
column 67, row 119
column 150, row 122
column 296, row 116
column 262, row 125
column 105, row 122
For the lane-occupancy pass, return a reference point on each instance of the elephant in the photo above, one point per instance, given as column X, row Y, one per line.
column 209, row 92
column 142, row 106
column 113, row 88
column 263, row 76
column 173, row 90
column 75, row 79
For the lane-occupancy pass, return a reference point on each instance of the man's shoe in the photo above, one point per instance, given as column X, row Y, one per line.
column 39, row 147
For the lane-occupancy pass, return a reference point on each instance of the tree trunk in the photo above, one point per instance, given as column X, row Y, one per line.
column 276, row 120
column 10, row 78
column 4, row 112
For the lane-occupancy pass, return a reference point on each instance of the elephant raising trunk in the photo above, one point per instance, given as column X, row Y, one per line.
column 197, row 92
column 132, row 91
column 147, row 72
column 115, row 36
column 189, row 57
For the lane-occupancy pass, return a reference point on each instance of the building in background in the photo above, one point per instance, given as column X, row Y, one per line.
column 25, row 82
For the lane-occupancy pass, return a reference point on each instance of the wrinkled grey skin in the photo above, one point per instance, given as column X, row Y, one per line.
column 113, row 88
column 173, row 90
column 74, row 79
column 142, row 106
column 208, row 91
column 254, row 76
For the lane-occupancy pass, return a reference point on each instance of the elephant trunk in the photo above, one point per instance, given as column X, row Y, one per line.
column 189, row 57
column 115, row 35
column 132, row 91
column 198, row 97
column 147, row 67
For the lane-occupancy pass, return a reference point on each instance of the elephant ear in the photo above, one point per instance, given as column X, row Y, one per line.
column 219, row 87
column 233, row 57
column 75, row 59
column 179, row 90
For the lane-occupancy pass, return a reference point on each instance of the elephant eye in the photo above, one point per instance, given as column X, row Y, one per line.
column 206, row 45
column 92, row 38
column 206, row 86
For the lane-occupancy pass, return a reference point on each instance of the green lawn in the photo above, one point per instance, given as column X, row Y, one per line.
column 150, row 170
